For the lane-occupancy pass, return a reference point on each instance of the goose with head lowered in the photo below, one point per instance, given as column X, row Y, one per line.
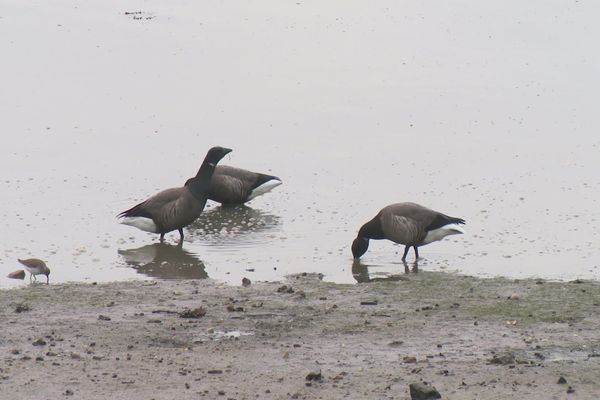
column 175, row 208
column 409, row 224
column 230, row 185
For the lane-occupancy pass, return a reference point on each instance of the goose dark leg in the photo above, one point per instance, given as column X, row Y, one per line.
column 30, row 277
column 416, row 253
column 47, row 279
column 162, row 237
column 406, row 248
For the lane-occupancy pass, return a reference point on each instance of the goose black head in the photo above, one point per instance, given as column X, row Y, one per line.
column 215, row 154
column 359, row 247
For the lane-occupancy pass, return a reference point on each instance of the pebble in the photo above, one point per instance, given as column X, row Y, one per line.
column 423, row 391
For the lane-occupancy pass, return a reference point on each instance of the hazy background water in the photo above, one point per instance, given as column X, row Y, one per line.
column 483, row 110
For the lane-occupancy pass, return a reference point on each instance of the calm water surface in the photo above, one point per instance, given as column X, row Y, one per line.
column 483, row 111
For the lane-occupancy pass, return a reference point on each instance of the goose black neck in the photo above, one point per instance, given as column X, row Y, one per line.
column 372, row 229
column 206, row 171
column 200, row 184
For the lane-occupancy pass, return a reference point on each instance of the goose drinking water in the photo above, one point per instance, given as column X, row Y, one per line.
column 409, row 224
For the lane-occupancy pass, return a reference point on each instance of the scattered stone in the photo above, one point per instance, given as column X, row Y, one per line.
column 561, row 380
column 68, row 392
column 422, row 391
column 285, row 289
column 409, row 360
column 503, row 359
column 198, row 312
column 39, row 358
column 314, row 376
column 18, row 274
column 39, row 342
column 246, row 282
column 215, row 371
column 22, row 307
column 232, row 308
column 368, row 303
column 103, row 318
column 396, row 343
column 570, row 390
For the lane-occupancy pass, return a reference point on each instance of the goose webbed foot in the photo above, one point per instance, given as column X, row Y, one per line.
column 408, row 269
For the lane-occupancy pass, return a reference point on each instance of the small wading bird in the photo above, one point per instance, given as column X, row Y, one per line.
column 409, row 224
column 176, row 208
column 36, row 267
column 230, row 185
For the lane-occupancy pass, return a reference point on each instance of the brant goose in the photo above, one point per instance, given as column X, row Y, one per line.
column 175, row 208
column 409, row 224
column 231, row 185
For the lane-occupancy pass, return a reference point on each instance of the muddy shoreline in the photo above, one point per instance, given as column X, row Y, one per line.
column 468, row 337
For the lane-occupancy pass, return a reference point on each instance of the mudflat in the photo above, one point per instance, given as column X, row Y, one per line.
column 303, row 338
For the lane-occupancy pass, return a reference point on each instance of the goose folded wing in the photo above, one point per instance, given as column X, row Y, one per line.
column 227, row 189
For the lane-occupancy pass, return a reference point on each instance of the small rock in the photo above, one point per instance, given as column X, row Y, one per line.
column 368, row 303
column 39, row 342
column 18, row 274
column 561, row 381
column 570, row 390
column 422, row 391
column 103, row 318
column 68, row 392
column 246, row 282
column 22, row 307
column 503, row 359
column 232, row 308
column 409, row 360
column 285, row 289
column 195, row 313
column 215, row 371
column 396, row 343
column 314, row 376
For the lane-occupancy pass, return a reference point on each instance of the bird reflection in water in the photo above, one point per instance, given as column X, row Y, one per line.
column 235, row 226
column 360, row 272
column 165, row 261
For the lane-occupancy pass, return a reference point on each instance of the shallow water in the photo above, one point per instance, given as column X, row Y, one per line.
column 483, row 113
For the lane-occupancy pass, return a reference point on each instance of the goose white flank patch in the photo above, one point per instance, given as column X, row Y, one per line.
column 175, row 208
column 409, row 224
column 232, row 185
column 35, row 266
